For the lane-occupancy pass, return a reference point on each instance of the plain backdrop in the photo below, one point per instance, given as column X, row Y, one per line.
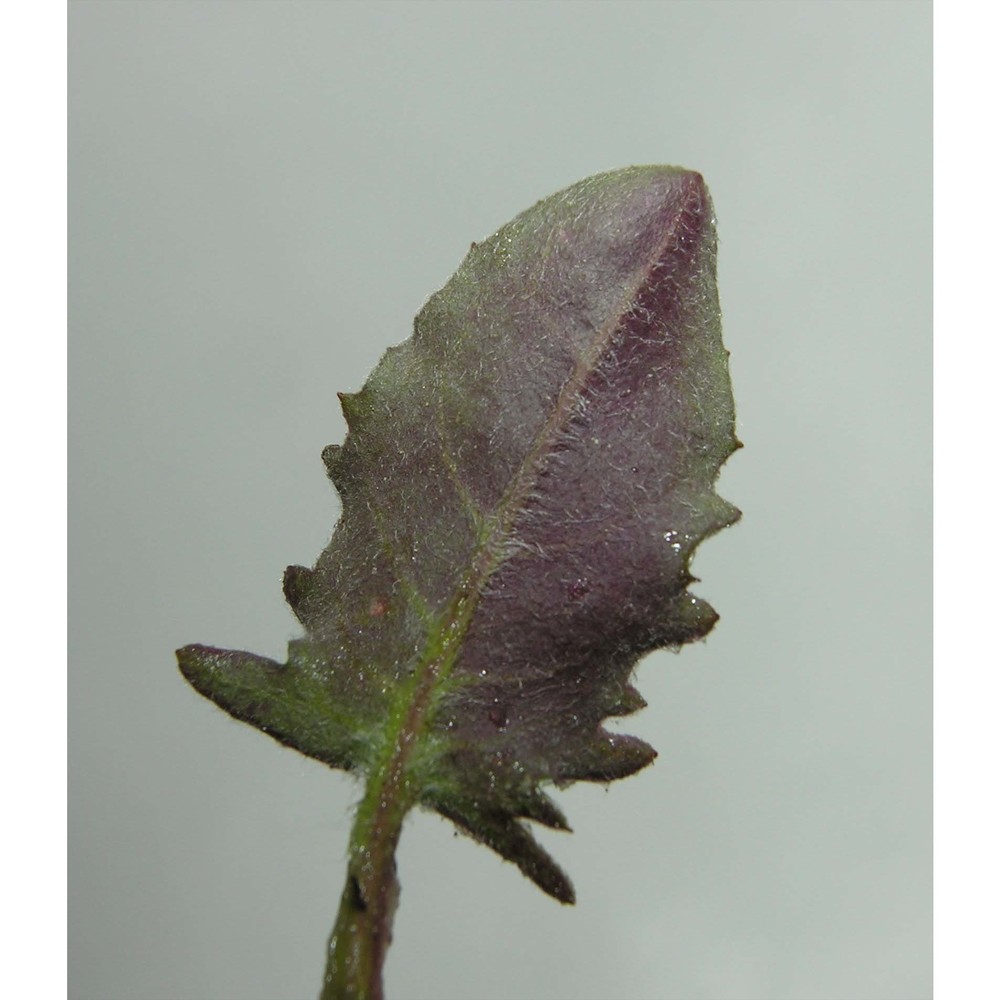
column 261, row 197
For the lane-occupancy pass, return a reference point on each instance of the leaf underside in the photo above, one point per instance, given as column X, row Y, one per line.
column 524, row 482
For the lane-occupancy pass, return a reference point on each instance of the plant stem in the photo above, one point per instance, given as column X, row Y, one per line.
column 363, row 931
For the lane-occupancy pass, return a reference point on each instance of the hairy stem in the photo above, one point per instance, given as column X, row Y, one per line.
column 363, row 931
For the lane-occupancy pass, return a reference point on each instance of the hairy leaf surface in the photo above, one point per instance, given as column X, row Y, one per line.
column 523, row 483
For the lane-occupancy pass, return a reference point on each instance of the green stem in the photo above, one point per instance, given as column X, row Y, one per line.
column 363, row 931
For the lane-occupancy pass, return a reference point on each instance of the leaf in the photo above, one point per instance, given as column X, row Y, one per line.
column 524, row 482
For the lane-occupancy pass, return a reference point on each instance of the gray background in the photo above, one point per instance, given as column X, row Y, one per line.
column 262, row 195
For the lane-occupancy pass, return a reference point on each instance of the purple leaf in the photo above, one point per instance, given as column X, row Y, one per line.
column 524, row 482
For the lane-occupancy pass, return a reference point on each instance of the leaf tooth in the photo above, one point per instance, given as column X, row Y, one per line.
column 608, row 757
column 687, row 618
column 297, row 583
column 351, row 406
column 513, row 841
column 539, row 807
column 716, row 513
column 630, row 701
column 728, row 512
